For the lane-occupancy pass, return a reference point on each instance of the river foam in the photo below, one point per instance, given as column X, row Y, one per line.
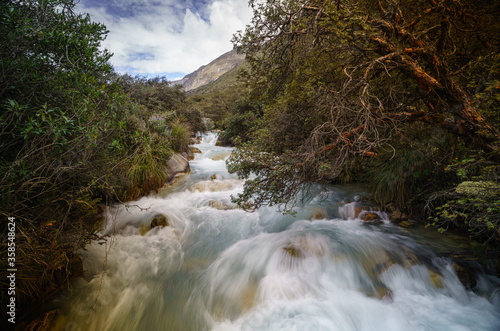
column 218, row 268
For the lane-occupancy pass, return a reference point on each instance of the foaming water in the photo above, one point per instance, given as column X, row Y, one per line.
column 216, row 267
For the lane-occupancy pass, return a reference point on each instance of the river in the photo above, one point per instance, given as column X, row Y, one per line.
column 216, row 267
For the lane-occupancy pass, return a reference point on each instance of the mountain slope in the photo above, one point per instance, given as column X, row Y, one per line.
column 212, row 71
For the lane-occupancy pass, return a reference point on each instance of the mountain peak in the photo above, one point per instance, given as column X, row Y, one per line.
column 210, row 72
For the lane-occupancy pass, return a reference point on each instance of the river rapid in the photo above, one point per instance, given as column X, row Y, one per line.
column 217, row 267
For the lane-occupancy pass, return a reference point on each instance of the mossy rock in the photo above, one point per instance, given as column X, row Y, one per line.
column 194, row 150
column 159, row 220
column 144, row 228
column 480, row 189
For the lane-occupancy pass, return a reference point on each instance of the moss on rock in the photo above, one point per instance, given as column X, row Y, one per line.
column 480, row 189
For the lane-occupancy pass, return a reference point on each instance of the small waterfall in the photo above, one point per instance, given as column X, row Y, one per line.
column 212, row 266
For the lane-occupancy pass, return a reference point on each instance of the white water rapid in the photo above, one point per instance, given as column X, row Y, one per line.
column 216, row 267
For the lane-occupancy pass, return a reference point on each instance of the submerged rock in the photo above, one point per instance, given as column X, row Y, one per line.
column 218, row 205
column 144, row 228
column 315, row 245
column 215, row 185
column 159, row 220
column 436, row 279
column 310, row 245
column 464, row 275
column 291, row 257
column 294, row 251
column 383, row 293
column 406, row 224
column 319, row 214
column 220, row 156
column 156, row 221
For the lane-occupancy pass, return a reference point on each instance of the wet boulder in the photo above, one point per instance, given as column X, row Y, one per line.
column 294, row 251
column 361, row 208
column 223, row 142
column 159, row 220
column 395, row 214
column 290, row 256
column 177, row 165
column 370, row 217
column 314, row 245
column 218, row 205
column 436, row 278
column 319, row 214
column 215, row 185
column 309, row 245
column 465, row 275
column 194, row 150
column 383, row 293
column 398, row 216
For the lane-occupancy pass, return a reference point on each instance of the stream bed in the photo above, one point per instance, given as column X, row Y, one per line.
column 212, row 266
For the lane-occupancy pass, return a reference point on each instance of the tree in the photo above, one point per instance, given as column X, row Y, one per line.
column 343, row 81
column 44, row 43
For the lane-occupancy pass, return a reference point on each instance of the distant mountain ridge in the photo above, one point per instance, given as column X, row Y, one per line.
column 209, row 73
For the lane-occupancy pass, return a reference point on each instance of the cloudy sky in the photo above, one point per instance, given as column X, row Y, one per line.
column 167, row 37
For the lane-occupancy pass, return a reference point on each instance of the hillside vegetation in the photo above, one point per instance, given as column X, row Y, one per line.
column 211, row 72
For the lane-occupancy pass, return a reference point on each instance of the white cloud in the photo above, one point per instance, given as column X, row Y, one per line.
column 157, row 37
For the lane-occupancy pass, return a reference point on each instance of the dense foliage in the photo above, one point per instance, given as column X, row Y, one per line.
column 389, row 92
column 401, row 95
column 74, row 137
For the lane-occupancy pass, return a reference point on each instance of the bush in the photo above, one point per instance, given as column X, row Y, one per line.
column 71, row 140
column 472, row 204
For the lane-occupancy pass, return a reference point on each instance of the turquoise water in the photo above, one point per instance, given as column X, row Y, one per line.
column 216, row 267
